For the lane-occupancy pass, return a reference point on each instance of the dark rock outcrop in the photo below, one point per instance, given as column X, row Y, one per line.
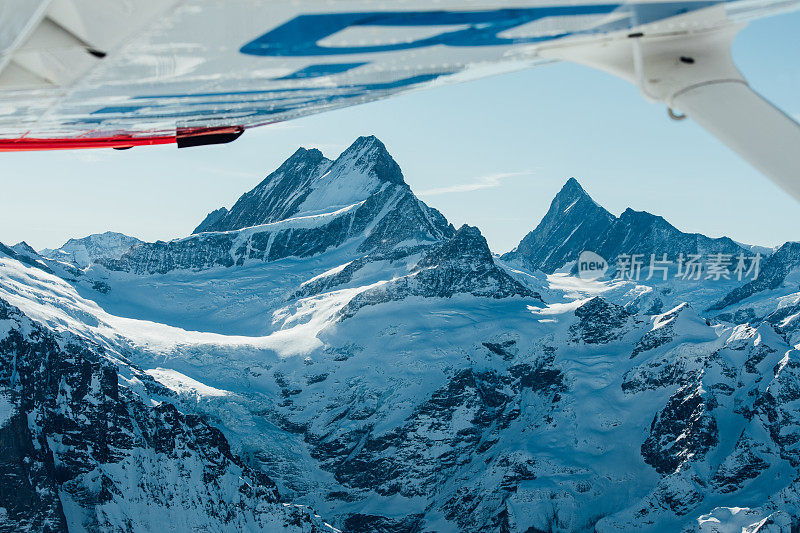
column 772, row 274
column 211, row 219
column 573, row 223
column 682, row 431
column 460, row 265
column 600, row 322
column 79, row 430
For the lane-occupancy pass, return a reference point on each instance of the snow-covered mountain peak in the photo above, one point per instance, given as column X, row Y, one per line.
column 308, row 206
column 92, row 248
column 464, row 264
column 572, row 190
column 368, row 155
column 576, row 223
column 573, row 223
column 23, row 247
column 277, row 197
column 308, row 183
column 572, row 200
column 468, row 244
column 359, row 172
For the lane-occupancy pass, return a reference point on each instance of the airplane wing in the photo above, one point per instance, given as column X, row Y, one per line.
column 122, row 73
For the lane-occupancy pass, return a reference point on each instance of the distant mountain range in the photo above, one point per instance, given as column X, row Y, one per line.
column 575, row 223
column 331, row 353
column 88, row 250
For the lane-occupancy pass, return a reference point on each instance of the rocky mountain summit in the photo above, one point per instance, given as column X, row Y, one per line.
column 575, row 223
column 332, row 341
column 308, row 206
column 308, row 183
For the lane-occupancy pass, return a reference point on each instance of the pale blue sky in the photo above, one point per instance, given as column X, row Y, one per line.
column 491, row 153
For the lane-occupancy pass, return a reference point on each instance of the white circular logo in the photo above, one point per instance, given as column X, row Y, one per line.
column 591, row 266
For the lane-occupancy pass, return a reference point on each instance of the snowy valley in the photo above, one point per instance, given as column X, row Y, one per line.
column 330, row 353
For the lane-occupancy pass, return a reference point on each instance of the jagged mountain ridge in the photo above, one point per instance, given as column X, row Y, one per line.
column 774, row 297
column 308, row 183
column 378, row 239
column 575, row 223
column 462, row 264
column 306, row 207
column 423, row 385
column 773, row 273
column 387, row 226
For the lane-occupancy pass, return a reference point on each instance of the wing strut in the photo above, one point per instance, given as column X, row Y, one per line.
column 686, row 64
column 761, row 133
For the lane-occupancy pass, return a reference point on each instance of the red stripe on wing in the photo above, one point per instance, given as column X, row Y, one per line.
column 24, row 144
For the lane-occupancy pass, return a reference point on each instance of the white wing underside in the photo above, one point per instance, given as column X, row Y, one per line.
column 126, row 72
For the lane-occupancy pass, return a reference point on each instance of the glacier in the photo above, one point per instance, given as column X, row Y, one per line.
column 331, row 353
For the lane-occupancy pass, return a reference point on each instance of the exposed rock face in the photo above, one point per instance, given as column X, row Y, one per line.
column 744, row 464
column 458, row 447
column 575, row 223
column 462, row 421
column 682, row 431
column 211, row 219
column 465, row 264
column 277, row 197
column 663, row 331
column 773, row 273
column 308, row 182
column 776, row 408
column 307, row 206
column 460, row 265
column 84, row 448
column 600, row 322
